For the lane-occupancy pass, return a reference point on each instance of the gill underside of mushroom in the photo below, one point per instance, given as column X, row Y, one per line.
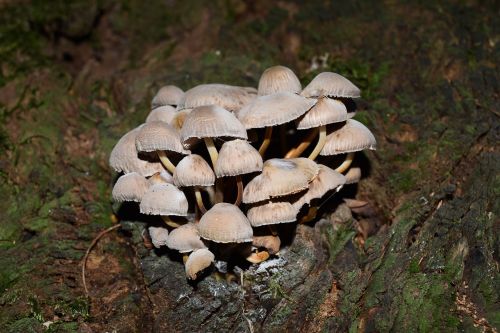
column 214, row 155
column 346, row 164
column 168, row 221
column 162, row 155
column 267, row 140
column 199, row 200
column 320, row 144
column 296, row 152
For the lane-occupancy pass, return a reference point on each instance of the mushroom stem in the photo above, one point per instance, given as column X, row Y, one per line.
column 214, row 155
column 168, row 221
column 165, row 161
column 258, row 257
column 346, row 164
column 185, row 257
column 267, row 140
column 295, row 152
column 320, row 144
column 239, row 184
column 199, row 200
column 211, row 194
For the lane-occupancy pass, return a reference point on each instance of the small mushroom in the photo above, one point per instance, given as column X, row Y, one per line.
column 353, row 175
column 159, row 236
column 185, row 239
column 331, row 85
column 130, row 187
column 225, row 223
column 164, row 200
column 163, row 113
column 269, row 242
column 278, row 79
column 160, row 178
column 231, row 98
column 197, row 262
column 167, row 95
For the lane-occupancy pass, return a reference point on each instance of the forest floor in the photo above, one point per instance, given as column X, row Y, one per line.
column 423, row 255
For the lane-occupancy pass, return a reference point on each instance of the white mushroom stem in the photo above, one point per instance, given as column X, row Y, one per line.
column 185, row 257
column 239, row 196
column 168, row 221
column 258, row 257
column 267, row 140
column 295, row 152
column 214, row 155
column 199, row 200
column 320, row 144
column 165, row 161
column 346, row 164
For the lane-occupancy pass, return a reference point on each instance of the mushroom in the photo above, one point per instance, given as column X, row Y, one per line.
column 125, row 158
column 278, row 79
column 225, row 223
column 350, row 138
column 198, row 261
column 271, row 110
column 159, row 236
column 167, row 95
column 160, row 178
column 164, row 200
column 228, row 97
column 353, row 176
column 208, row 122
column 130, row 187
column 163, row 113
column 269, row 242
column 193, row 171
column 185, row 239
column 331, row 85
column 237, row 157
column 160, row 137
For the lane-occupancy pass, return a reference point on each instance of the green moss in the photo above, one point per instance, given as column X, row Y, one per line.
column 337, row 239
column 25, row 325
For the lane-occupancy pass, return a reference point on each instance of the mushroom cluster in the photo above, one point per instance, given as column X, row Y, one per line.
column 204, row 162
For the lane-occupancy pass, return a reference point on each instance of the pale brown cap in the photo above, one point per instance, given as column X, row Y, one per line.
column 327, row 180
column 272, row 213
column 352, row 137
column 278, row 79
column 130, row 187
column 178, row 119
column 331, row 85
column 228, row 97
column 162, row 113
column 167, row 95
column 125, row 158
column 326, row 111
column 271, row 243
column 211, row 122
column 185, row 239
column 353, row 175
column 280, row 177
column 160, row 178
column 159, row 236
column 193, row 170
column 198, row 261
column 272, row 110
column 164, row 199
column 225, row 223
column 237, row 157
column 158, row 135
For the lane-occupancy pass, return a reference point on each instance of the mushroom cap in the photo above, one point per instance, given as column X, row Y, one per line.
column 327, row 180
column 280, row 177
column 332, row 85
column 353, row 175
column 167, row 95
column 198, row 261
column 225, row 223
column 158, row 135
column 125, row 158
column 278, row 79
column 193, row 170
column 164, row 199
column 272, row 213
column 228, row 97
column 130, row 187
column 272, row 110
column 185, row 239
column 163, row 113
column 159, row 236
column 326, row 111
column 160, row 178
column 237, row 157
column 352, row 137
column 210, row 122
column 271, row 243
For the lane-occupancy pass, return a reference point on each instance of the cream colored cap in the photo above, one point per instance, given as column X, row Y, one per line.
column 185, row 239
column 167, row 95
column 353, row 175
column 278, row 79
column 162, row 113
column 158, row 135
column 159, row 236
column 352, row 137
column 125, row 158
column 331, row 85
column 272, row 110
column 280, row 177
column 193, row 170
column 211, row 122
column 237, row 157
column 130, row 187
column 327, row 180
column 225, row 223
column 164, row 199
column 160, row 178
column 272, row 213
column 271, row 243
column 178, row 119
column 228, row 97
column 198, row 261
column 326, row 111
